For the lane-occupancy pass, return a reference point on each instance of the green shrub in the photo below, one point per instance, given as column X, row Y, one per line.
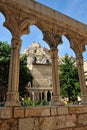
column 29, row 102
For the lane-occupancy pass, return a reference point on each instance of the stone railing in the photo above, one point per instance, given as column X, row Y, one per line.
column 44, row 118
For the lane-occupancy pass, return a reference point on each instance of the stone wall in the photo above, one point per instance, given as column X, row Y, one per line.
column 42, row 75
column 44, row 118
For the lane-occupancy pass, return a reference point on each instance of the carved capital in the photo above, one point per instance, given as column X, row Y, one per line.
column 77, row 42
column 53, row 53
column 16, row 42
column 52, row 39
column 79, row 59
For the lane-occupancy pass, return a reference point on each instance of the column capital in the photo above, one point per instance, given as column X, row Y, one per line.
column 53, row 53
column 16, row 42
column 54, row 50
column 79, row 59
column 53, row 39
column 77, row 42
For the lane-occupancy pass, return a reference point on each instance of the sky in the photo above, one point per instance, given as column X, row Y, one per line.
column 76, row 9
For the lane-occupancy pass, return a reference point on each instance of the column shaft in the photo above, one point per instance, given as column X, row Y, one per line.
column 33, row 96
column 12, row 94
column 45, row 95
column 82, row 79
column 55, row 77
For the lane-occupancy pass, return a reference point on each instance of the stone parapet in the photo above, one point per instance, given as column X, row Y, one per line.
column 37, row 112
column 44, row 118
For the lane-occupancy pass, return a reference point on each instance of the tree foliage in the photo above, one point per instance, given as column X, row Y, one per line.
column 4, row 63
column 69, row 79
column 24, row 76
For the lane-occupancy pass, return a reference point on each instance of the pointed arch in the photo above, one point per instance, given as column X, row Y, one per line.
column 65, row 47
column 35, row 35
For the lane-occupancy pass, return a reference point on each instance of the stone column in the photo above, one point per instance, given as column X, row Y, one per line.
column 51, row 94
column 33, row 98
column 45, row 95
column 53, row 39
column 55, row 77
column 13, row 86
column 82, row 79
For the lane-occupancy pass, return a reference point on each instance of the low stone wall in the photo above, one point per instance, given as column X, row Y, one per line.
column 44, row 118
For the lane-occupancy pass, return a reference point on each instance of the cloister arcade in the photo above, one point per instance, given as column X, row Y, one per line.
column 19, row 16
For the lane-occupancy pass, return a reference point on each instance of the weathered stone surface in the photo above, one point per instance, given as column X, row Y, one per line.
column 76, row 109
column 10, row 124
column 47, row 123
column 82, row 119
column 42, row 74
column 62, row 110
column 67, row 121
column 53, row 111
column 81, row 128
column 43, row 118
column 19, row 112
column 68, row 129
column 28, row 124
column 5, row 112
column 71, row 121
column 57, row 122
column 37, row 111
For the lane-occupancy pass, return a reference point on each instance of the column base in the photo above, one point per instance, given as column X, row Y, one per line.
column 12, row 99
column 84, row 100
column 56, row 101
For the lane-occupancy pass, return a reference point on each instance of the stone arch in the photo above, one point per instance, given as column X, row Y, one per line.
column 37, row 30
column 67, row 45
column 74, row 40
column 48, row 31
column 41, row 27
column 5, row 13
column 4, row 31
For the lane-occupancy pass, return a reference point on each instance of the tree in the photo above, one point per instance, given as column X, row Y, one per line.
column 4, row 68
column 25, row 75
column 4, row 63
column 69, row 79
